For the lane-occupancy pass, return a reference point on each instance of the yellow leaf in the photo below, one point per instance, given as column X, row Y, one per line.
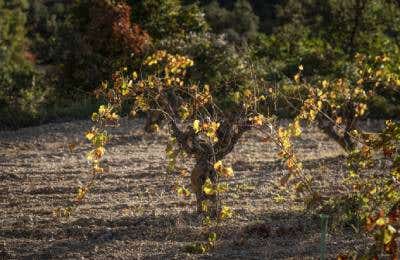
column 388, row 234
column 319, row 104
column 373, row 191
column 100, row 152
column 211, row 130
column 226, row 212
column 95, row 154
column 98, row 169
column 196, row 126
column 102, row 109
column 95, row 117
column 279, row 198
column 113, row 117
column 155, row 128
column 360, row 109
column 206, row 88
column 313, row 114
column 258, row 120
column 90, row 135
column 247, row 93
column 218, row 166
column 227, row 172
column 90, row 156
column 380, row 221
column 208, row 187
column 295, row 128
column 297, row 77
column 391, row 229
column 182, row 191
column 184, row 112
column 81, row 193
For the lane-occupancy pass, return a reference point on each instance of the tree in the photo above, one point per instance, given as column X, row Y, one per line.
column 16, row 73
column 347, row 25
column 239, row 25
column 163, row 19
column 80, row 43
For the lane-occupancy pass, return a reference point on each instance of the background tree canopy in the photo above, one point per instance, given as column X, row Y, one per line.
column 53, row 54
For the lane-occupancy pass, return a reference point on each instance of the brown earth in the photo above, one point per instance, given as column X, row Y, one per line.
column 134, row 212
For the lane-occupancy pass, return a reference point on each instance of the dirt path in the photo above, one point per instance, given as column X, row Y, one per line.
column 134, row 212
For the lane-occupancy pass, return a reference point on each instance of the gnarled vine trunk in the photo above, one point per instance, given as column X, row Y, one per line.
column 153, row 118
column 342, row 137
column 202, row 171
column 344, row 140
column 206, row 153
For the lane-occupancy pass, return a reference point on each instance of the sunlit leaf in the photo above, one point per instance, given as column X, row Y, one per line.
column 226, row 212
column 196, row 126
column 208, row 187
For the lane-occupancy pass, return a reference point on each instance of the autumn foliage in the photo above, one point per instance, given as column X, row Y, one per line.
column 208, row 73
column 111, row 29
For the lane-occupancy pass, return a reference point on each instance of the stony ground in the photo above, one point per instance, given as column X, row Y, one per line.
column 134, row 212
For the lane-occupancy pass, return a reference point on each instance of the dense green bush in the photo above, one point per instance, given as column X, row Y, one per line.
column 20, row 85
column 166, row 18
column 239, row 25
